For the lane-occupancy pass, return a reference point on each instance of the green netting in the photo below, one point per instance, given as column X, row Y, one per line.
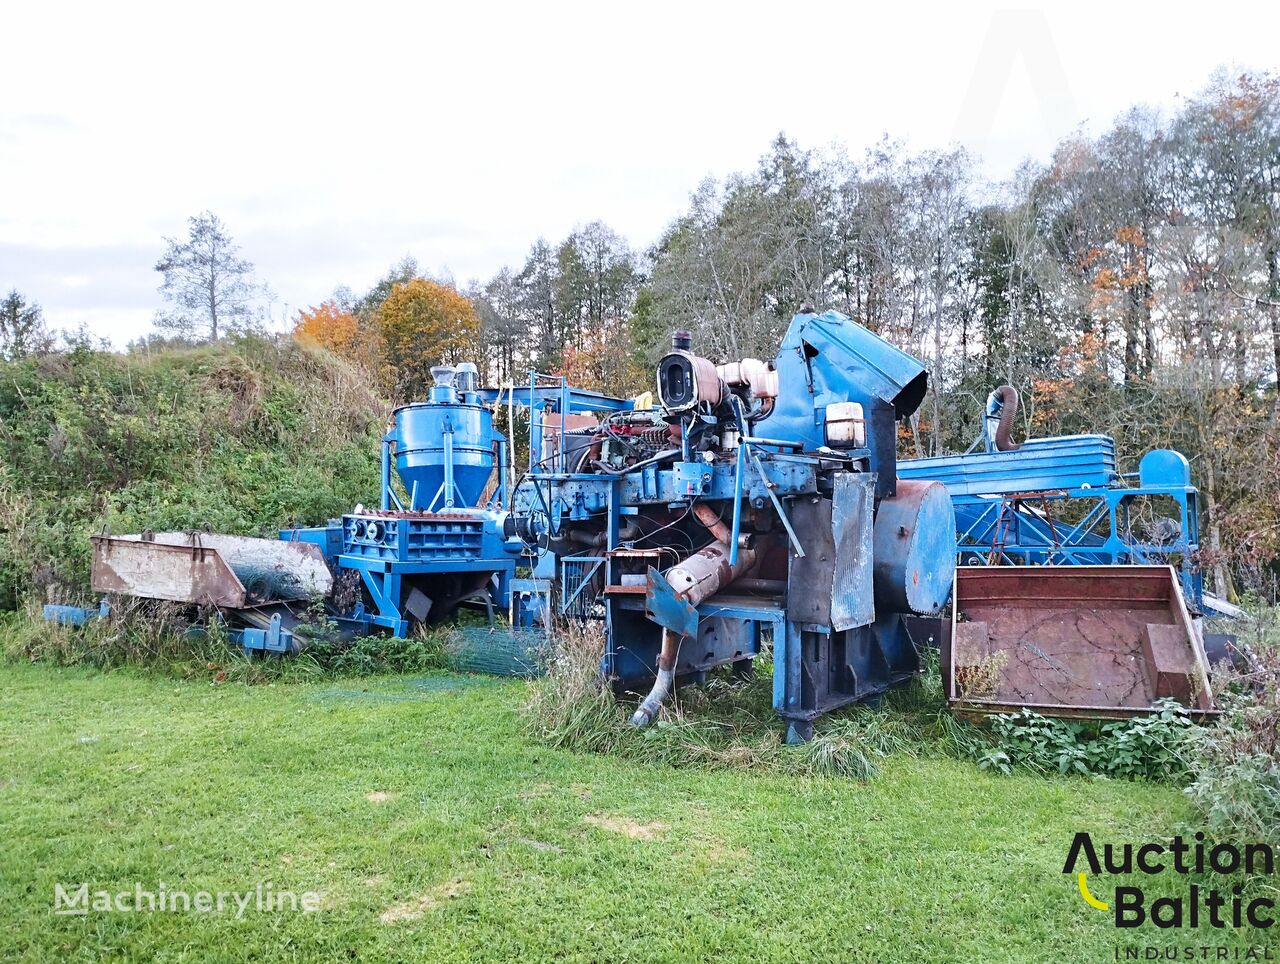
column 499, row 652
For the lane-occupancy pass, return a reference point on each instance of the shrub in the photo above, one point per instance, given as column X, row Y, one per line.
column 1236, row 764
column 245, row 436
column 1154, row 746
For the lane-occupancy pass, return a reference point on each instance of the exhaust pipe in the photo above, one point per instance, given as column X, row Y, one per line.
column 698, row 577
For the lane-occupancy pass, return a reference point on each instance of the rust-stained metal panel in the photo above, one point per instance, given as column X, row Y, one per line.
column 207, row 568
column 831, row 584
column 1103, row 641
column 157, row 570
column 853, row 583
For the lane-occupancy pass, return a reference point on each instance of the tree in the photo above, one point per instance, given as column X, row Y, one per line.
column 329, row 326
column 748, row 255
column 536, row 285
column 506, row 336
column 22, row 330
column 209, row 286
column 406, row 269
column 422, row 323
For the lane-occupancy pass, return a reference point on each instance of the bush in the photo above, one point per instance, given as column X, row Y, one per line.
column 1154, row 746
column 246, row 436
column 1236, row 765
column 423, row 652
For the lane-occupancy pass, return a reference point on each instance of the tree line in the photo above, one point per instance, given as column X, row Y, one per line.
column 1128, row 285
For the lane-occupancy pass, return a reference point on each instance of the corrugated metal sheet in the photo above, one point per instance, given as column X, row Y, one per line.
column 1069, row 462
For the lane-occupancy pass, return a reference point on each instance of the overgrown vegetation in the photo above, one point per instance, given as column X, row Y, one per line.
column 177, row 641
column 243, row 436
column 1236, row 765
column 1155, row 746
column 730, row 723
column 1231, row 769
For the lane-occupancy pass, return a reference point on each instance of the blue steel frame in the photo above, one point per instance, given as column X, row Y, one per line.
column 1097, row 539
column 758, row 474
column 823, row 360
column 384, row 567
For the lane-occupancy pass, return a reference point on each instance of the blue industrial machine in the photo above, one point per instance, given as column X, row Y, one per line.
column 756, row 506
column 1063, row 501
column 757, row 502
column 439, row 537
column 438, row 541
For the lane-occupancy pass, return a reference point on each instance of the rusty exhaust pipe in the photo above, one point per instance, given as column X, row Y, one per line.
column 698, row 577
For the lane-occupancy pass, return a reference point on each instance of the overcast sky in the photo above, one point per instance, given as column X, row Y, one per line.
column 335, row 138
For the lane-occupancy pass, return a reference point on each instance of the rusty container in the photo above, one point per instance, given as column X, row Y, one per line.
column 1075, row 641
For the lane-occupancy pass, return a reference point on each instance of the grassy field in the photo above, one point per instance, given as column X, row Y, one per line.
column 434, row 829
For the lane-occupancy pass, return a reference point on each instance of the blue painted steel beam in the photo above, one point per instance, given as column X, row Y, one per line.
column 578, row 399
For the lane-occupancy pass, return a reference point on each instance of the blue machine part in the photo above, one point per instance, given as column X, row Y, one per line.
column 444, row 453
column 1068, row 462
column 421, row 555
column 439, row 543
column 328, row 538
column 1061, row 501
column 1164, row 468
column 834, row 359
column 76, row 615
column 914, row 540
column 274, row 638
column 791, row 491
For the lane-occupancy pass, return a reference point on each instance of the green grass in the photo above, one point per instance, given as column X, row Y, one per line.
column 503, row 847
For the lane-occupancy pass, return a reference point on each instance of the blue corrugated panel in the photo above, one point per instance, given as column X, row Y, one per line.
column 1069, row 462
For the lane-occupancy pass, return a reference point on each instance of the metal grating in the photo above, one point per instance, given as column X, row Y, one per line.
column 578, row 593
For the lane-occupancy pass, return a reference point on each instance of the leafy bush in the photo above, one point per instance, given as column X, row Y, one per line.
column 1236, row 764
column 365, row 656
column 242, row 436
column 1154, row 746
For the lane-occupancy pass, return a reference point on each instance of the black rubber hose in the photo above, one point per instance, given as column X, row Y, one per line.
column 1008, row 412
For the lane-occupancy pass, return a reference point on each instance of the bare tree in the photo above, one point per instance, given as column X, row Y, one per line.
column 209, row 286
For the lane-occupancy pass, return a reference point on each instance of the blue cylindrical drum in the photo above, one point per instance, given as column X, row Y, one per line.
column 914, row 542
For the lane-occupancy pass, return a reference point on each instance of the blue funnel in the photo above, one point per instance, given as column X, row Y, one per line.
column 430, row 435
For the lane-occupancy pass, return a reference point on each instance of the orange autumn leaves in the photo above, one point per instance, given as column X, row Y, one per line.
column 420, row 323
column 422, row 318
column 328, row 326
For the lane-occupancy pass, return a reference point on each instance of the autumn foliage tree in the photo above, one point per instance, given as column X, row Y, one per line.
column 328, row 326
column 420, row 324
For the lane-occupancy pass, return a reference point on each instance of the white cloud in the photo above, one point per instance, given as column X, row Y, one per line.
column 332, row 139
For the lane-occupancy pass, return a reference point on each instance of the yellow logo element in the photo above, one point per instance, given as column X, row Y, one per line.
column 1088, row 897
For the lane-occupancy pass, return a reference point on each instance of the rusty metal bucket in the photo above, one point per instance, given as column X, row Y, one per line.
column 1077, row 641
column 208, row 569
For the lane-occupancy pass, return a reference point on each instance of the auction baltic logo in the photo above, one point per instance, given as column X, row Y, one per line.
column 1198, row 906
column 79, row 900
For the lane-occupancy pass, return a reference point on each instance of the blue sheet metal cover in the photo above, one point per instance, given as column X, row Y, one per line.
column 1068, row 462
